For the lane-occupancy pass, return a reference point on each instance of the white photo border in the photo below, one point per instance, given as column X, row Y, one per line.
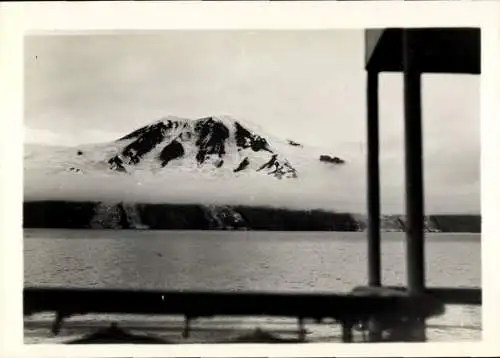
column 19, row 19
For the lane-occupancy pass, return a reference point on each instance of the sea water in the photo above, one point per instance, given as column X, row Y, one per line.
column 238, row 261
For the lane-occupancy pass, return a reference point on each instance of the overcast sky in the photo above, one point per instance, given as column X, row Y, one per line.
column 305, row 85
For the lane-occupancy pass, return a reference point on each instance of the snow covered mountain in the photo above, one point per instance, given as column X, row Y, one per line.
column 209, row 161
column 219, row 146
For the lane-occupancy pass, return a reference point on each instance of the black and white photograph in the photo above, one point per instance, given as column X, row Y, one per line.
column 252, row 186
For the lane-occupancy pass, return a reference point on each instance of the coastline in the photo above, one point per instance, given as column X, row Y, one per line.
column 119, row 215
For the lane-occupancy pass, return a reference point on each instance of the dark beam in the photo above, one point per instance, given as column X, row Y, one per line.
column 373, row 182
column 439, row 50
column 344, row 307
column 452, row 295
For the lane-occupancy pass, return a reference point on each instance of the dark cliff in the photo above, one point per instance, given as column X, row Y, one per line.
column 86, row 215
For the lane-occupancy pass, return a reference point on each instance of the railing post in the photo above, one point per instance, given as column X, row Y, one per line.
column 347, row 336
column 414, row 175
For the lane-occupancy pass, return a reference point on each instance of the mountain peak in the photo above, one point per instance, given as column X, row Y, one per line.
column 208, row 143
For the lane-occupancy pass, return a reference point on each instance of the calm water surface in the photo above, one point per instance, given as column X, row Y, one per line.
column 246, row 261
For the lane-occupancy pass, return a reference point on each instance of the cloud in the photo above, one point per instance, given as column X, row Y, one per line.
column 177, row 188
column 40, row 136
column 342, row 189
column 49, row 137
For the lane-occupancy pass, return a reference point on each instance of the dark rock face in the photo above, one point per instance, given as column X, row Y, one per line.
column 152, row 130
column 212, row 136
column 146, row 141
column 295, row 144
column 85, row 215
column 280, row 169
column 74, row 215
column 328, row 159
column 457, row 223
column 244, row 163
column 245, row 139
column 172, row 151
column 108, row 216
column 116, row 163
column 146, row 138
column 224, row 218
column 430, row 224
column 58, row 214
column 173, row 217
column 219, row 163
column 261, row 218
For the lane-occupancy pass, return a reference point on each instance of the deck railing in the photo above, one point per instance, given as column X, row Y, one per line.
column 391, row 307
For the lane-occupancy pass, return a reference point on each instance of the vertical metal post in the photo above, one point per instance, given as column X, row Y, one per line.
column 414, row 175
column 373, row 182
column 347, row 336
column 413, row 168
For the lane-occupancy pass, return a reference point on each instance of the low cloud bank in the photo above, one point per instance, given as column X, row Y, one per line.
column 343, row 194
column 179, row 189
